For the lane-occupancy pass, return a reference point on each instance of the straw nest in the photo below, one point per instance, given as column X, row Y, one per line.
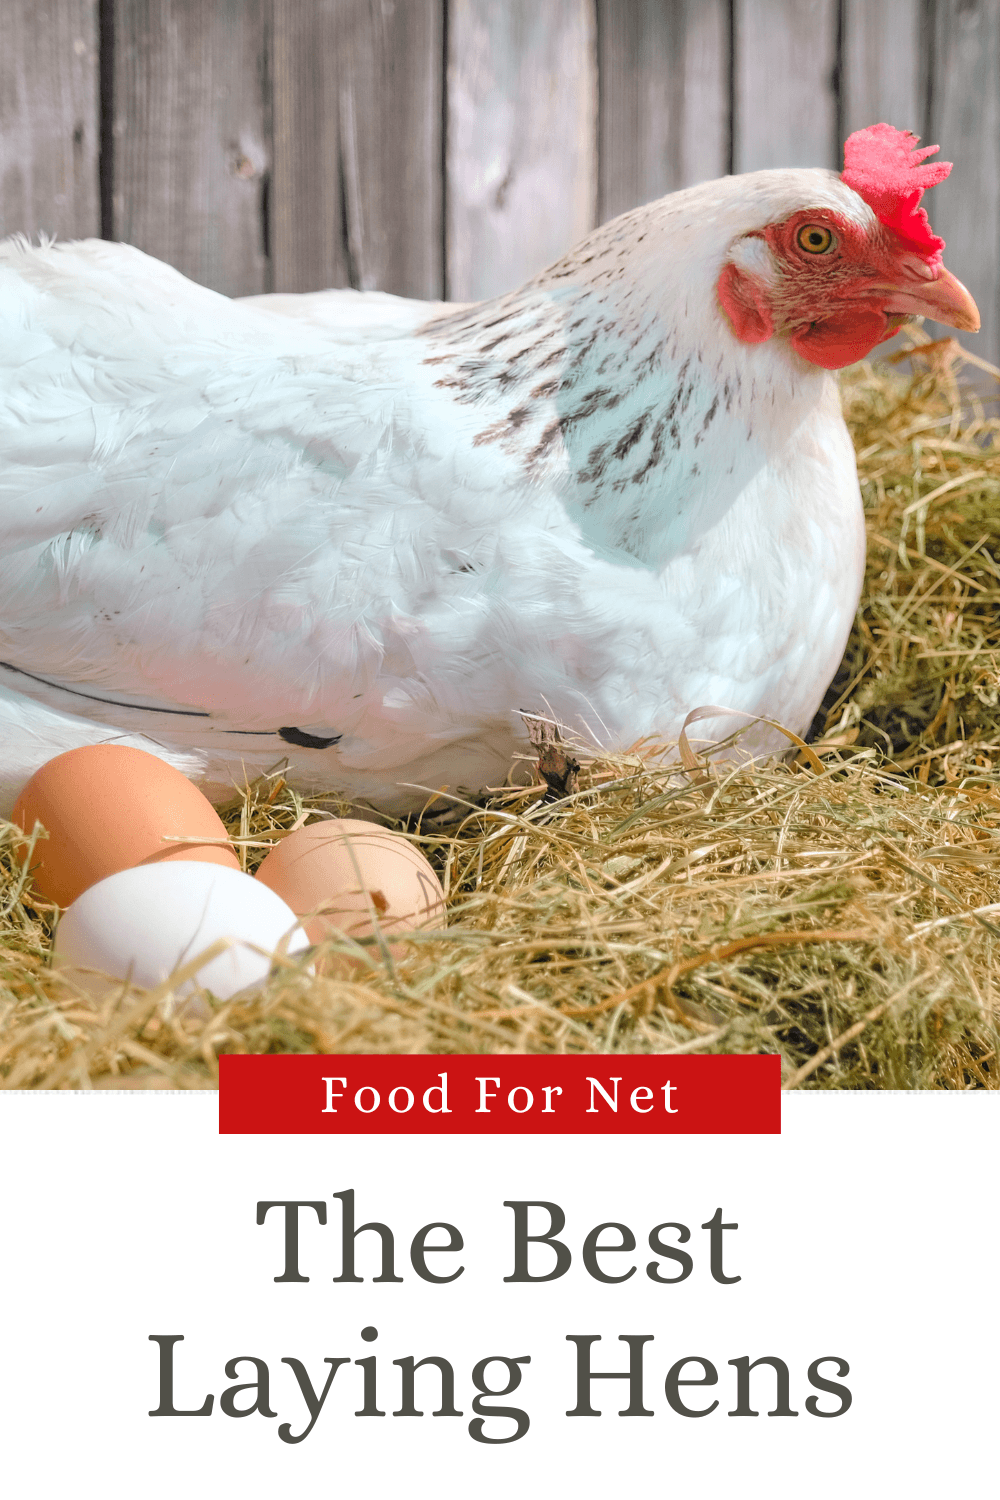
column 841, row 908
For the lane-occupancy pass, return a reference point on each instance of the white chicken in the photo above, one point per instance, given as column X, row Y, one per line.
column 369, row 533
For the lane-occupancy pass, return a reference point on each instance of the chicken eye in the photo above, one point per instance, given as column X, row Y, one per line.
column 814, row 239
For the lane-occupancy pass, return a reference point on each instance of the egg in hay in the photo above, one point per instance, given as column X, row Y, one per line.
column 344, row 871
column 145, row 923
column 111, row 807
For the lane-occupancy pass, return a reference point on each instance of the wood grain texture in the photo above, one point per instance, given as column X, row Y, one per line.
column 785, row 103
column 521, row 139
column 190, row 137
column 884, row 68
column 49, row 118
column 358, row 113
column 664, row 98
column 965, row 119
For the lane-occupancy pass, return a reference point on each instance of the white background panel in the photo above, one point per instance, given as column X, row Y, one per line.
column 867, row 1230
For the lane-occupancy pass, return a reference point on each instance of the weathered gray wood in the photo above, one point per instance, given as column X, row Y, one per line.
column 49, row 118
column 965, row 119
column 785, row 103
column 521, row 138
column 884, row 65
column 190, row 137
column 664, row 98
column 358, row 111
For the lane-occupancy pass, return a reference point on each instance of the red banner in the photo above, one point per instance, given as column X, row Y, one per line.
column 550, row 1094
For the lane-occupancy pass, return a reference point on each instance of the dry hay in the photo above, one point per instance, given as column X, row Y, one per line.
column 841, row 910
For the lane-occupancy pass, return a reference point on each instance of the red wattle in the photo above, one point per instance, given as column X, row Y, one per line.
column 743, row 306
column 843, row 339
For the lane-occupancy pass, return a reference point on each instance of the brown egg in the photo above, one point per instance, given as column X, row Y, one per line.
column 106, row 808
column 346, row 867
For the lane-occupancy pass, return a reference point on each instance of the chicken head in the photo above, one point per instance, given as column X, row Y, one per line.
column 837, row 281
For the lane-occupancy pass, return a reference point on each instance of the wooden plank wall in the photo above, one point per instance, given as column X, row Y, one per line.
column 964, row 110
column 785, row 84
column 358, row 189
column 664, row 92
column 190, row 136
column 49, row 118
column 452, row 147
column 522, row 139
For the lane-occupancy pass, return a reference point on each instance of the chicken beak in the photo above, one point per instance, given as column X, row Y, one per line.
column 944, row 299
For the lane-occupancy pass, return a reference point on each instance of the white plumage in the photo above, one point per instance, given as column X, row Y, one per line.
column 368, row 533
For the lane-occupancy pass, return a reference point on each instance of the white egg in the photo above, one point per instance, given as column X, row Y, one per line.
column 143, row 924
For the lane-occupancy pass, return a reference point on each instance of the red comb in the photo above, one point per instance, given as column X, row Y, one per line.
column 884, row 168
